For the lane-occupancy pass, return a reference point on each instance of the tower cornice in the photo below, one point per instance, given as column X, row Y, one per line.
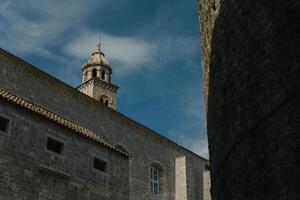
column 101, row 83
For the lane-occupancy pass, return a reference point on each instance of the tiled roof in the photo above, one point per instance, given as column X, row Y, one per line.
column 58, row 119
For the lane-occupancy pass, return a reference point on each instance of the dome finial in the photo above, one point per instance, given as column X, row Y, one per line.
column 99, row 44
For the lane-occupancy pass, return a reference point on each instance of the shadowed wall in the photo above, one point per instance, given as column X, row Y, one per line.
column 251, row 56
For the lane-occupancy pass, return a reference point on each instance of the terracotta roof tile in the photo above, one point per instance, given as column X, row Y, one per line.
column 58, row 119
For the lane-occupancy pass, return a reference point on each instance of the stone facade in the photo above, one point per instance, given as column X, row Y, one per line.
column 145, row 147
column 28, row 170
column 251, row 57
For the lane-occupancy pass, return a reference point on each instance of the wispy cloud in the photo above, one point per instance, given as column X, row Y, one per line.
column 39, row 28
column 196, row 144
column 27, row 27
column 191, row 133
column 128, row 54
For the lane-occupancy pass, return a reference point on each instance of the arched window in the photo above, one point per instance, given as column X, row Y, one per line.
column 157, row 179
column 94, row 73
column 103, row 75
column 104, row 99
column 154, row 181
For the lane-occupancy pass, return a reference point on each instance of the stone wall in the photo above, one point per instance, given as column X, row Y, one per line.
column 28, row 170
column 96, row 88
column 206, row 185
column 251, row 56
column 180, row 170
column 144, row 145
column 210, row 10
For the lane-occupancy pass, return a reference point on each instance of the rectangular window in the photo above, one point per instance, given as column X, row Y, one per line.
column 100, row 165
column 4, row 123
column 54, row 145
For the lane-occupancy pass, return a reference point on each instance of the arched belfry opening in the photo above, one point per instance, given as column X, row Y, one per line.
column 103, row 75
column 96, row 79
column 94, row 73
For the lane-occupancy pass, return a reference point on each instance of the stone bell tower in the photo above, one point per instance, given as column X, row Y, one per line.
column 96, row 79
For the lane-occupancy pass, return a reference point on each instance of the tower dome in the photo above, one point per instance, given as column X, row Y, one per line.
column 97, row 59
column 97, row 66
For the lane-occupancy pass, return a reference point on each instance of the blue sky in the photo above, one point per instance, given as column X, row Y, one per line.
column 153, row 46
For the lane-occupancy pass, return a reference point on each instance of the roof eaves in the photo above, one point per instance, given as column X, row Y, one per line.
column 58, row 119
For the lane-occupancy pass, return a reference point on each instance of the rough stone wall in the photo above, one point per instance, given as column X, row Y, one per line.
column 96, row 88
column 29, row 171
column 99, row 90
column 210, row 10
column 144, row 146
column 253, row 100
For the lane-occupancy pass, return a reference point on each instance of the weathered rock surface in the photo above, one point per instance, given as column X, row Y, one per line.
column 251, row 58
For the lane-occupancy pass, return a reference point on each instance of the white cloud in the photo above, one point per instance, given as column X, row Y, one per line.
column 127, row 54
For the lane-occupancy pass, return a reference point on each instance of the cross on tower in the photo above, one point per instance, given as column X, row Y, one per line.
column 99, row 44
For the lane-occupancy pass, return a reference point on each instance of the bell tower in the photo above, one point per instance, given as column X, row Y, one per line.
column 96, row 79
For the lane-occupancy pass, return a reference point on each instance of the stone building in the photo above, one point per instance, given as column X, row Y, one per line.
column 58, row 142
column 251, row 60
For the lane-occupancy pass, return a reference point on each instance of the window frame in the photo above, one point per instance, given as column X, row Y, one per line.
column 61, row 154
column 93, row 73
column 154, row 181
column 106, row 170
column 8, row 128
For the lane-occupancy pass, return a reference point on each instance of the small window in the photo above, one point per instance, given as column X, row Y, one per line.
column 154, row 181
column 103, row 75
column 54, row 145
column 94, row 73
column 100, row 165
column 4, row 124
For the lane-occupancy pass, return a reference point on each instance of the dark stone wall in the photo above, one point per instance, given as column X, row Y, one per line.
column 28, row 170
column 253, row 98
